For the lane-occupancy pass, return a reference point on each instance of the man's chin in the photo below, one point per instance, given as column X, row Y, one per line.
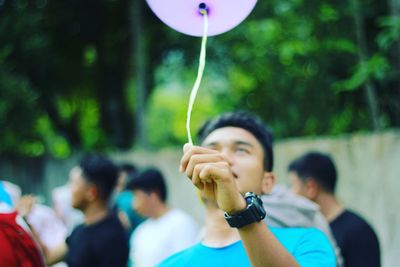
column 76, row 206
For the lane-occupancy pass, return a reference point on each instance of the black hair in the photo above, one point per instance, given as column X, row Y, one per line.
column 127, row 167
column 149, row 180
column 248, row 122
column 317, row 166
column 100, row 171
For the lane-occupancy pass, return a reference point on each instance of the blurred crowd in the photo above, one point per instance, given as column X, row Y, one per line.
column 110, row 215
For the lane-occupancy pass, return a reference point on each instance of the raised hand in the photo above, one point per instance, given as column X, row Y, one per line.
column 210, row 171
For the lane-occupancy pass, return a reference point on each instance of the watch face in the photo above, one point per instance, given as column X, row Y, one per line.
column 250, row 197
column 249, row 200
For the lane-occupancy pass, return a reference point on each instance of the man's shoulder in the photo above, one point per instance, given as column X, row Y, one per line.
column 179, row 214
column 296, row 232
column 351, row 221
column 177, row 219
column 106, row 228
column 181, row 258
column 309, row 246
column 294, row 237
column 351, row 215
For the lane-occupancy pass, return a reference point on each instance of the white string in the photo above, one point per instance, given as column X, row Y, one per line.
column 202, row 63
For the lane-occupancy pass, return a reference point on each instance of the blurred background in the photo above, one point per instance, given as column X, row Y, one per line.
column 108, row 75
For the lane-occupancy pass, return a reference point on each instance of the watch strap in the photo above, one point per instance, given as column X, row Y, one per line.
column 254, row 212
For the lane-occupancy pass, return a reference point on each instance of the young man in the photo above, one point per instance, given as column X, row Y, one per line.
column 123, row 198
column 233, row 166
column 313, row 175
column 167, row 230
column 287, row 209
column 62, row 203
column 100, row 241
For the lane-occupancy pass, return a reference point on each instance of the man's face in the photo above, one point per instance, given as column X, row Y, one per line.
column 297, row 185
column 79, row 188
column 142, row 202
column 244, row 154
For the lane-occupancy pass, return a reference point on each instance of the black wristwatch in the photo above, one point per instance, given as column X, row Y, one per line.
column 254, row 212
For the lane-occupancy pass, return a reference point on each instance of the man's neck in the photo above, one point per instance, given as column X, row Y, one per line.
column 95, row 212
column 160, row 210
column 330, row 207
column 218, row 233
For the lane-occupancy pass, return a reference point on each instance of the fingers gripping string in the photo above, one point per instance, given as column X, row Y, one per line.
column 202, row 63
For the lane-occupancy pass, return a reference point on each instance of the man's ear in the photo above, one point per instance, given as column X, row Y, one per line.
column 92, row 192
column 311, row 188
column 267, row 182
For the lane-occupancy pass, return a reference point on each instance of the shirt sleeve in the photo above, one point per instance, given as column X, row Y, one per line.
column 314, row 250
column 362, row 248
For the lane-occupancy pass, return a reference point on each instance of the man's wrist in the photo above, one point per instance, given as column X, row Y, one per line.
column 254, row 212
column 242, row 205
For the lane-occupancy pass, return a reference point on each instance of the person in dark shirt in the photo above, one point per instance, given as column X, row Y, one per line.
column 314, row 176
column 100, row 244
column 357, row 240
column 100, row 241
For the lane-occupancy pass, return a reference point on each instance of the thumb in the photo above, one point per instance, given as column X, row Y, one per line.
column 186, row 147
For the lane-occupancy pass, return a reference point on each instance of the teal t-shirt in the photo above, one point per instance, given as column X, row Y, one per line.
column 124, row 203
column 308, row 246
column 4, row 196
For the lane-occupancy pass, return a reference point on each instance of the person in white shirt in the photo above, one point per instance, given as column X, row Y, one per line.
column 166, row 231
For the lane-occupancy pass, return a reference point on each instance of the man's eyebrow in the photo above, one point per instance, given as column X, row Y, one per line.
column 243, row 143
column 237, row 142
column 211, row 144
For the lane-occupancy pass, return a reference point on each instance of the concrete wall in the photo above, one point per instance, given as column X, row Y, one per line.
column 368, row 166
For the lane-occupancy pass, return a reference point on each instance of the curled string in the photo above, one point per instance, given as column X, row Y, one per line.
column 202, row 63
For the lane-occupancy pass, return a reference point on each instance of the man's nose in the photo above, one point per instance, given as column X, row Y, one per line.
column 228, row 156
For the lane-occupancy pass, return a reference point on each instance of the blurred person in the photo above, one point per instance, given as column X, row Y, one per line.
column 100, row 241
column 123, row 199
column 13, row 190
column 286, row 209
column 231, row 168
column 166, row 231
column 48, row 227
column 62, row 204
column 314, row 176
column 17, row 246
column 124, row 170
column 5, row 197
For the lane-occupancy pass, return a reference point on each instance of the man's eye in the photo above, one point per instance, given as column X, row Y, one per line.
column 242, row 149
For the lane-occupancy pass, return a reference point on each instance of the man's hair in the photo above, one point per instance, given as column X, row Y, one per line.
column 317, row 166
column 100, row 171
column 248, row 122
column 149, row 180
column 127, row 167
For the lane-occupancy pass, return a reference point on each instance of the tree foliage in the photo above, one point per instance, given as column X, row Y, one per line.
column 68, row 80
column 296, row 64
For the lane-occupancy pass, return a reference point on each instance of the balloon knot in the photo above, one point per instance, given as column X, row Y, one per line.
column 203, row 9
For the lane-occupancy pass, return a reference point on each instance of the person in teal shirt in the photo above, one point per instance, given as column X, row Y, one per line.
column 4, row 196
column 231, row 167
column 124, row 198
